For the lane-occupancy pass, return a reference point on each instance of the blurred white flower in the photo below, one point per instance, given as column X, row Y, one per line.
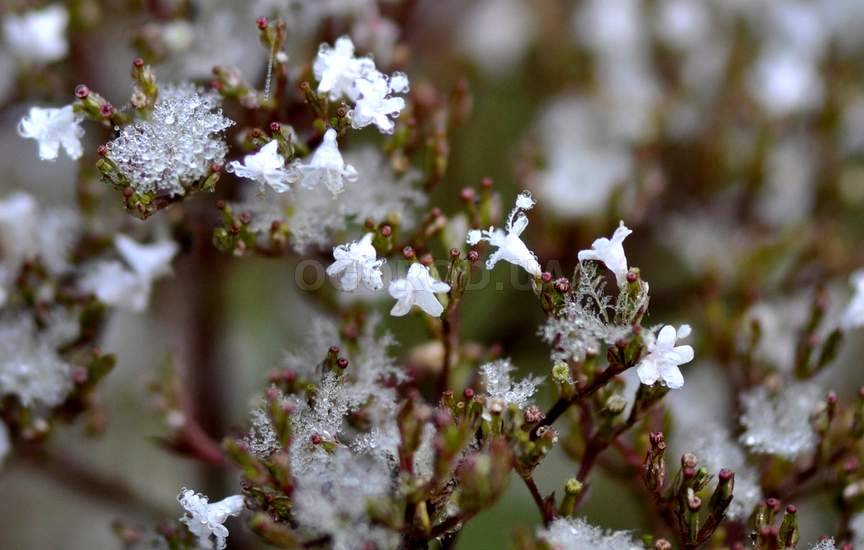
column 417, row 288
column 856, row 525
column 853, row 315
column 375, row 103
column 508, row 242
column 356, row 263
column 117, row 286
column 784, row 83
column 30, row 367
column 38, row 35
column 326, row 166
column 267, row 167
column 336, row 69
column 578, row 534
column 682, row 23
column 5, row 442
column 497, row 52
column 611, row 253
column 53, row 128
column 377, row 34
column 205, row 520
column 664, row 357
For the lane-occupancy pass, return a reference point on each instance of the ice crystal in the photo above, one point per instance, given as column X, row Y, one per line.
column 778, row 422
column 824, row 544
column 584, row 322
column 500, row 385
column 333, row 500
column 578, row 534
column 262, row 439
column 30, row 367
column 177, row 146
column 714, row 447
column 29, row 231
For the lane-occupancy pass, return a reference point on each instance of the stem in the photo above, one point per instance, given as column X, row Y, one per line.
column 538, row 498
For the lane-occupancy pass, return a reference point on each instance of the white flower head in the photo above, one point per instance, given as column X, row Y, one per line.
column 116, row 285
column 661, row 363
column 418, row 288
column 375, row 103
column 267, row 167
column 500, row 385
column 336, row 69
column 326, row 166
column 510, row 246
column 38, row 35
column 578, row 534
column 53, row 128
column 853, row 315
column 205, row 520
column 778, row 422
column 356, row 263
column 611, row 253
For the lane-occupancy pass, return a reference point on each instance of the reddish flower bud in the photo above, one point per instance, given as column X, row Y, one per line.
column 82, row 91
column 262, row 23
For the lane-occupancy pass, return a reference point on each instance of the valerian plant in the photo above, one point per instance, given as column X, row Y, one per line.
column 338, row 152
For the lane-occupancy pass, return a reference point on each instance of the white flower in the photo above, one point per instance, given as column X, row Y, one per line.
column 611, row 253
column 115, row 285
column 336, row 69
column 326, row 166
column 356, row 263
column 785, row 82
column 510, row 246
column 38, row 35
column 853, row 316
column 267, row 167
column 663, row 358
column 205, row 519
column 375, row 104
column 30, row 367
column 419, row 289
column 53, row 128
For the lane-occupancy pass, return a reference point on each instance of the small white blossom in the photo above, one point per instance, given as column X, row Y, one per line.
column 336, row 69
column 205, row 520
column 356, row 263
column 611, row 253
column 661, row 363
column 786, row 82
column 853, row 315
column 267, row 167
column 326, row 166
column 116, row 285
column 375, row 103
column 53, row 128
column 38, row 35
column 499, row 384
column 778, row 422
column 418, row 288
column 578, row 534
column 510, row 246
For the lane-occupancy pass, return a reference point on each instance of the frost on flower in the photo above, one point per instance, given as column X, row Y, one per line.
column 824, row 544
column 611, row 253
column 326, row 167
column 376, row 103
column 584, row 322
column 267, row 167
column 30, row 367
column 38, row 35
column 52, row 129
column 334, row 499
column 853, row 315
column 356, row 263
column 778, row 423
column 177, row 146
column 336, row 69
column 205, row 519
column 29, row 231
column 714, row 447
column 508, row 241
column 663, row 358
column 578, row 534
column 417, row 288
column 129, row 287
column 500, row 385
